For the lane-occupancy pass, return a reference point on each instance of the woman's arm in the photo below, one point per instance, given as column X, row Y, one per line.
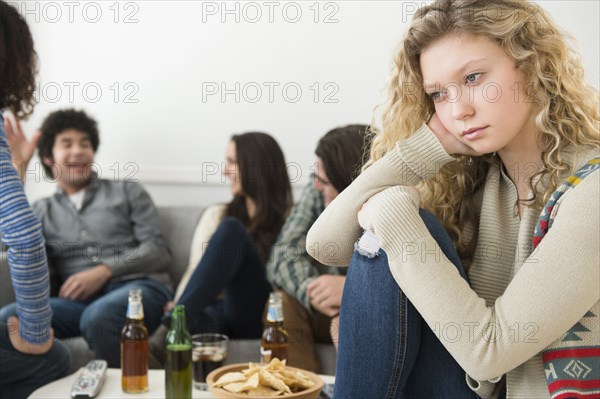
column 22, row 233
column 331, row 239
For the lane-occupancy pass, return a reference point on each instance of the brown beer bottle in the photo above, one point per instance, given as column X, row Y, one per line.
column 275, row 337
column 134, row 347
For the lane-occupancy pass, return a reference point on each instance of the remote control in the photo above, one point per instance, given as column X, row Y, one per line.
column 90, row 380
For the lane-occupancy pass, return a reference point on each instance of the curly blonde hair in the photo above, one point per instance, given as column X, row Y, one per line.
column 566, row 106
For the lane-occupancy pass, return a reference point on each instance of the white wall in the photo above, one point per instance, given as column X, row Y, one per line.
column 153, row 73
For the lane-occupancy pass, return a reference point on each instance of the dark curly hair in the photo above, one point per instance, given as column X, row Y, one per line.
column 343, row 151
column 59, row 121
column 18, row 63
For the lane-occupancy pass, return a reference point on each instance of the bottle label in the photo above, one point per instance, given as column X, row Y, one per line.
column 265, row 355
column 135, row 310
column 275, row 313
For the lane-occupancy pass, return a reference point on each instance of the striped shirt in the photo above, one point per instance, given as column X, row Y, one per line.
column 22, row 233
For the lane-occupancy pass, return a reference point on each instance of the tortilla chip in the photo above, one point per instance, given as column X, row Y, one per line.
column 238, row 387
column 297, row 379
column 261, row 391
column 270, row 380
column 229, row 378
column 276, row 364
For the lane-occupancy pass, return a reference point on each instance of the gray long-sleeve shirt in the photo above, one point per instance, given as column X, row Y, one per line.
column 117, row 225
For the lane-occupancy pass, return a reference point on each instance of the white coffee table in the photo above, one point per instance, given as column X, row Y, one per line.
column 61, row 389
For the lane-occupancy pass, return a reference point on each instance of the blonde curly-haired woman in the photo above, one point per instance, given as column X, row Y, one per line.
column 488, row 115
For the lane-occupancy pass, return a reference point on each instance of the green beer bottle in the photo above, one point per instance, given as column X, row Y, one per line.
column 178, row 361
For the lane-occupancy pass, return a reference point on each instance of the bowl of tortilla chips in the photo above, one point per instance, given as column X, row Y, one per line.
column 255, row 380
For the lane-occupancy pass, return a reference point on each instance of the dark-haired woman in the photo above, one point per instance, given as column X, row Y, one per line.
column 225, row 287
column 29, row 357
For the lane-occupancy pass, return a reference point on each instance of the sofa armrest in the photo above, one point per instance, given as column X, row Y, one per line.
column 178, row 224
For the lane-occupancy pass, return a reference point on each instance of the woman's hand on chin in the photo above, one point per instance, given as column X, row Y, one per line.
column 451, row 144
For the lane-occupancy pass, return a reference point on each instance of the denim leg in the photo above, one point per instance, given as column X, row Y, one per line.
column 102, row 321
column 65, row 316
column 231, row 264
column 385, row 349
column 246, row 295
column 21, row 374
column 8, row 310
column 435, row 373
column 379, row 332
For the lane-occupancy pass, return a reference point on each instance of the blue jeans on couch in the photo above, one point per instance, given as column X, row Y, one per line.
column 101, row 319
column 21, row 374
column 230, row 265
column 386, row 350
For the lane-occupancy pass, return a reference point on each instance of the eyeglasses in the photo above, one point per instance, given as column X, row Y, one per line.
column 317, row 179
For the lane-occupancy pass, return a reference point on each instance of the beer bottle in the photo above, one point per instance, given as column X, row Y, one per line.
column 275, row 338
column 178, row 361
column 134, row 347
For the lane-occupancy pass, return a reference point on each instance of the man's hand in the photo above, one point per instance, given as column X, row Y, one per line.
column 22, row 150
column 23, row 346
column 325, row 294
column 168, row 306
column 83, row 285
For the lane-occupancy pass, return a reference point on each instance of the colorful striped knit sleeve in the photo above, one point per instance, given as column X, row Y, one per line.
column 22, row 233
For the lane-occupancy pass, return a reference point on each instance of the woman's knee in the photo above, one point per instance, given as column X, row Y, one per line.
column 98, row 324
column 230, row 232
column 443, row 239
column 434, row 225
column 231, row 224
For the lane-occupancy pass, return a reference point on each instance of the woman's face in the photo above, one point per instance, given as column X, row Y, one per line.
column 231, row 171
column 478, row 93
column 322, row 184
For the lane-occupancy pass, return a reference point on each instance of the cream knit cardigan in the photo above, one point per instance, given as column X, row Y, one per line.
column 516, row 302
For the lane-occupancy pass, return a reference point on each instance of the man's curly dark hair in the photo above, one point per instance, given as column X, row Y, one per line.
column 59, row 121
column 18, row 63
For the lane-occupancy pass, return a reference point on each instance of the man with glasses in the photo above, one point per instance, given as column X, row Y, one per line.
column 312, row 292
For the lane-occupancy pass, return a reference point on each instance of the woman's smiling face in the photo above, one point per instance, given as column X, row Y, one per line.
column 232, row 171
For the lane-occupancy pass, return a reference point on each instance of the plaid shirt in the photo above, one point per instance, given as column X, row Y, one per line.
column 290, row 267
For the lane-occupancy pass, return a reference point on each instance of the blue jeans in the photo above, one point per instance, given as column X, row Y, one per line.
column 21, row 374
column 100, row 319
column 386, row 350
column 231, row 264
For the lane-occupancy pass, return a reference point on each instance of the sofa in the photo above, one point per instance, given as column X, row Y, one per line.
column 178, row 224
